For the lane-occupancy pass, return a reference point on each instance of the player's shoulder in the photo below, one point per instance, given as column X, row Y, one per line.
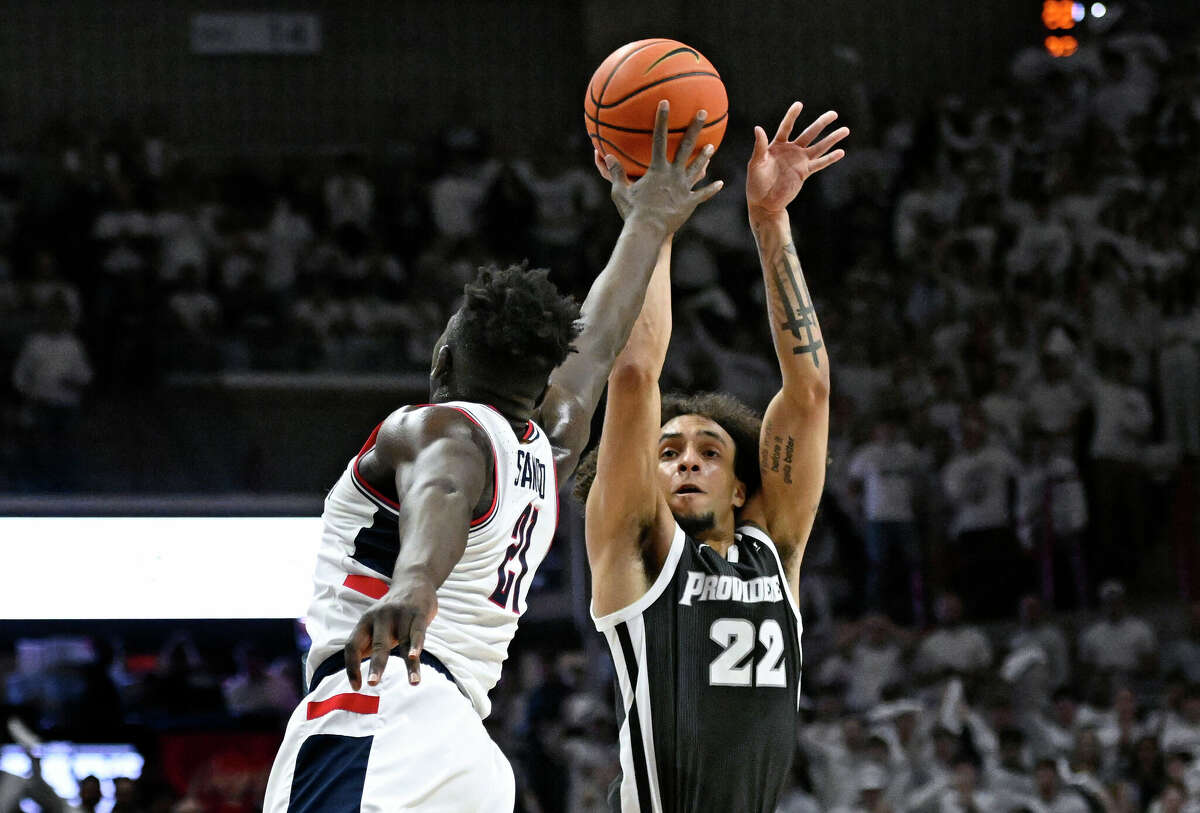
column 409, row 429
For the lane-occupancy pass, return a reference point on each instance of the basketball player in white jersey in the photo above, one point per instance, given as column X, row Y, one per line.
column 697, row 519
column 433, row 533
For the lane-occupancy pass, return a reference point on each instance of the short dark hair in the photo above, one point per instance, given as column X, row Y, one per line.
column 741, row 422
column 514, row 319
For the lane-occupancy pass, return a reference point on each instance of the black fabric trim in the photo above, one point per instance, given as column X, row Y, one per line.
column 337, row 662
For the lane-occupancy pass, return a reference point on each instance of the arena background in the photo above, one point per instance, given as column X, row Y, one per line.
column 126, row 107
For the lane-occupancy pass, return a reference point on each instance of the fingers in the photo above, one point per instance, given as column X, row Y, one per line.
column 616, row 171
column 760, row 144
column 683, row 153
column 823, row 146
column 382, row 639
column 602, row 165
column 416, row 642
column 812, row 130
column 705, row 192
column 699, row 167
column 659, row 152
column 359, row 641
column 789, row 121
column 826, row 160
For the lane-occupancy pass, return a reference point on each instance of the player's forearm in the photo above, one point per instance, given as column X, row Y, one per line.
column 610, row 309
column 646, row 347
column 434, row 524
column 795, row 331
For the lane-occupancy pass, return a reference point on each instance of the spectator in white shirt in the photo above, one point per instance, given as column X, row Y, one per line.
column 1174, row 799
column 1052, row 518
column 980, row 485
column 50, row 373
column 349, row 198
column 1037, row 630
column 1119, row 503
column 1118, row 642
column 887, row 473
column 1056, row 397
column 953, row 647
column 194, row 318
column 1181, row 732
column 874, row 660
column 1050, row 792
column 964, row 794
column 287, row 235
column 1005, row 405
column 258, row 688
column 871, row 781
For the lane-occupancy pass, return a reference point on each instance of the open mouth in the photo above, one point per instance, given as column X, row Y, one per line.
column 688, row 490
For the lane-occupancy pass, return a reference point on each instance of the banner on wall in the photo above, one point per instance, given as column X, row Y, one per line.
column 216, row 34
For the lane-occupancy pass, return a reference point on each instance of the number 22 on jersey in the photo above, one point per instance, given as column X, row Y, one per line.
column 736, row 637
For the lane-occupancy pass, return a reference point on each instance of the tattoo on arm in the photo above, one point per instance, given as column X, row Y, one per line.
column 777, row 454
column 802, row 315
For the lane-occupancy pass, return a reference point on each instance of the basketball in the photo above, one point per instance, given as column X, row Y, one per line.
column 625, row 90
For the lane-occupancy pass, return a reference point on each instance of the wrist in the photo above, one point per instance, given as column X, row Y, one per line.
column 650, row 225
column 409, row 580
column 764, row 216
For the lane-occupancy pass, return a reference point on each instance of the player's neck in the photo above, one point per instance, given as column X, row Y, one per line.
column 720, row 537
column 515, row 409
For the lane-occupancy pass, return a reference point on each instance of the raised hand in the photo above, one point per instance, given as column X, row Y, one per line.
column 778, row 169
column 665, row 194
column 398, row 619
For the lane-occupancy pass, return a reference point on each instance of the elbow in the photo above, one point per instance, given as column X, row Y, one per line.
column 633, row 374
column 810, row 393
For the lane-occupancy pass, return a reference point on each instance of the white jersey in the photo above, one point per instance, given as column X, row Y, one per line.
column 484, row 596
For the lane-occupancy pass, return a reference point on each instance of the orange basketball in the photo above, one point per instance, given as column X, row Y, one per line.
column 625, row 90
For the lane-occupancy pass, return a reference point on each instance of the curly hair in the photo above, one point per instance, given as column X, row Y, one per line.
column 741, row 422
column 514, row 319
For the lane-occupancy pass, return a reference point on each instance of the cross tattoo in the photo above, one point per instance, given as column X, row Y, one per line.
column 802, row 317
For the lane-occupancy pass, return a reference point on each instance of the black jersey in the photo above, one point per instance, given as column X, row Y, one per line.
column 708, row 673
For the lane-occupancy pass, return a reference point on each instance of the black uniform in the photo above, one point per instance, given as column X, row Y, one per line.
column 708, row 673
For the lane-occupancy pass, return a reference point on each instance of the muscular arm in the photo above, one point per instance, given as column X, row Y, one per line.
column 653, row 208
column 792, row 446
column 442, row 462
column 608, row 314
column 625, row 512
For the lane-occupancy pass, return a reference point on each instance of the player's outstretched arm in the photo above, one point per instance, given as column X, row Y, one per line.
column 796, row 425
column 443, row 463
column 653, row 208
column 625, row 512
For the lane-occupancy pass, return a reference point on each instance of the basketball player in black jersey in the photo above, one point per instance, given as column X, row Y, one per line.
column 697, row 519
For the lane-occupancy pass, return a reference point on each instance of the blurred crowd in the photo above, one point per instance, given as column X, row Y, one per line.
column 1008, row 287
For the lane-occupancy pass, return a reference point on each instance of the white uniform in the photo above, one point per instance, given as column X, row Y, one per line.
column 396, row 747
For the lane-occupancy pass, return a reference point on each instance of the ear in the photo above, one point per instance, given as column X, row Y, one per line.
column 739, row 493
column 442, row 365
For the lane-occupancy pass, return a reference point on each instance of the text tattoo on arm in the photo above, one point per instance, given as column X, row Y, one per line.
column 777, row 453
column 802, row 317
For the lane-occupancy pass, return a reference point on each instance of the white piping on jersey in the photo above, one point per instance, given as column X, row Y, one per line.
column 660, row 586
column 635, row 696
column 731, row 555
column 756, row 534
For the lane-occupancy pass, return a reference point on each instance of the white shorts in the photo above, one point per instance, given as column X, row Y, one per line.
column 389, row 748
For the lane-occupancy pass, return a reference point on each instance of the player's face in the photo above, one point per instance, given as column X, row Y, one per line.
column 695, row 470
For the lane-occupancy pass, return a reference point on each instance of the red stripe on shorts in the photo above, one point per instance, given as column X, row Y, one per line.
column 357, row 703
column 367, row 585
